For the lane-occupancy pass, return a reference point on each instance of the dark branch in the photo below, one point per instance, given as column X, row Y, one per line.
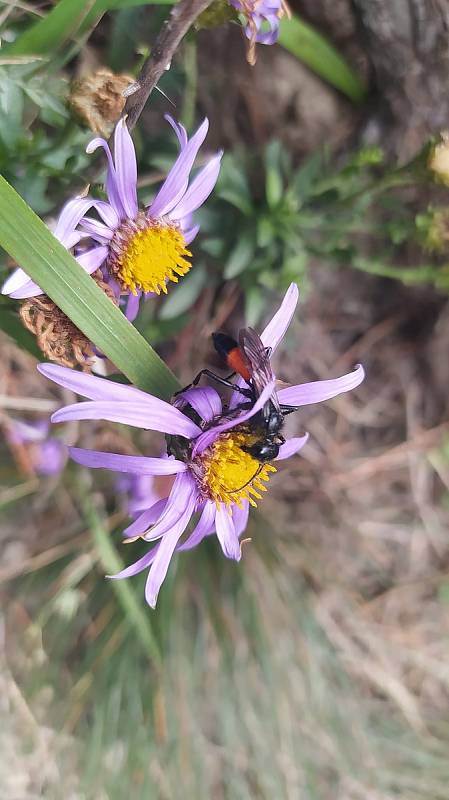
column 182, row 17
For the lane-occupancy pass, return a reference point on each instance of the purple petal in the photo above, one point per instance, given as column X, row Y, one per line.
column 277, row 327
column 146, row 519
column 190, row 234
column 126, row 168
column 271, row 36
column 205, row 526
column 208, row 437
column 206, row 402
column 19, row 432
column 177, row 179
column 111, row 177
column 143, row 496
column 72, row 239
column 291, row 447
column 167, row 547
column 199, row 190
column 179, row 129
column 107, row 214
column 27, row 289
column 92, row 259
column 132, row 306
column 155, row 415
column 315, row 392
column 240, row 517
column 136, row 465
column 97, row 230
column 226, row 533
column 135, row 568
column 17, row 280
column 91, row 386
column 180, row 494
column 71, row 215
column 50, row 457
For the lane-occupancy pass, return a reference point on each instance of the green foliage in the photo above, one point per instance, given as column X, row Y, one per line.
column 268, row 223
column 41, row 149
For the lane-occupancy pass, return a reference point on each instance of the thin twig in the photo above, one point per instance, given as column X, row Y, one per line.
column 181, row 19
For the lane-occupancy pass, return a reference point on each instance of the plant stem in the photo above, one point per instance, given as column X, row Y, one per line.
column 182, row 17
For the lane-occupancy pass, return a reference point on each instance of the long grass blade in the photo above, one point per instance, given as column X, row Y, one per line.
column 136, row 613
column 67, row 19
column 313, row 50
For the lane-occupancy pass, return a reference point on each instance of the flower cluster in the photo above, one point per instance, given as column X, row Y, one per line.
column 214, row 473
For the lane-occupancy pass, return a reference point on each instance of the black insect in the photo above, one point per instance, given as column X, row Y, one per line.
column 250, row 359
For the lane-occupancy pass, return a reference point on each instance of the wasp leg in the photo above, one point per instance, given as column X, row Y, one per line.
column 288, row 409
column 218, row 379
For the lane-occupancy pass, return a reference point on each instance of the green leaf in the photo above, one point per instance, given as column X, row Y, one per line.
column 67, row 19
column 30, row 243
column 313, row 50
column 274, row 184
column 233, row 186
column 184, row 295
column 240, row 256
column 50, row 32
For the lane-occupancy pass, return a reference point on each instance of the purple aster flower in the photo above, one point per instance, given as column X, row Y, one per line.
column 214, row 476
column 47, row 454
column 145, row 248
column 256, row 13
column 20, row 286
column 139, row 250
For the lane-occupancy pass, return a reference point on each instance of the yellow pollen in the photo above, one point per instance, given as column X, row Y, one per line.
column 151, row 257
column 230, row 474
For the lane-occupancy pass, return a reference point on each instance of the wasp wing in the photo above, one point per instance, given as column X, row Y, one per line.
column 258, row 358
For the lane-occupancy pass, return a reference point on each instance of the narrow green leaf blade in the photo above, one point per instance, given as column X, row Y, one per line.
column 65, row 20
column 313, row 50
column 135, row 611
column 30, row 243
column 48, row 33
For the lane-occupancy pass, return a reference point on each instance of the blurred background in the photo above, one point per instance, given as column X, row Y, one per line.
column 317, row 668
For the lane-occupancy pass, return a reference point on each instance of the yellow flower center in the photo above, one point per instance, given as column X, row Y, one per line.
column 151, row 256
column 230, row 474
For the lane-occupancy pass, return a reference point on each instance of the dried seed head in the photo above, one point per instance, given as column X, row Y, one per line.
column 99, row 100
column 58, row 338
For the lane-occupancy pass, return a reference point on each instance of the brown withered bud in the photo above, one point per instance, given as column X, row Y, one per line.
column 57, row 336
column 98, row 99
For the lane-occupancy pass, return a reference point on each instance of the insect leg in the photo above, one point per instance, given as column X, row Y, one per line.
column 218, row 379
column 288, row 409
